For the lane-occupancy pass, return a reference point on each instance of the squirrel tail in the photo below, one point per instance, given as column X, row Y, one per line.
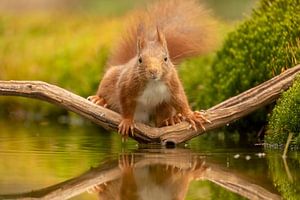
column 188, row 27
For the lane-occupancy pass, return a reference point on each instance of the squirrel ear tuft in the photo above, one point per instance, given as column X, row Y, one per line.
column 140, row 38
column 161, row 38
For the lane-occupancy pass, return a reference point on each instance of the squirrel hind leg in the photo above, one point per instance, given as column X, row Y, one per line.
column 169, row 121
column 98, row 100
column 166, row 116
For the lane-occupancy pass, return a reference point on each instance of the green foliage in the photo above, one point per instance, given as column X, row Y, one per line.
column 285, row 117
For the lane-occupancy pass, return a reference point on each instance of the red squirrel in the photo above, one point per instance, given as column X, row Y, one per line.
column 142, row 82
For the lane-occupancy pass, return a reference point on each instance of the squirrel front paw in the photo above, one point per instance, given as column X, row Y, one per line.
column 195, row 118
column 97, row 100
column 126, row 126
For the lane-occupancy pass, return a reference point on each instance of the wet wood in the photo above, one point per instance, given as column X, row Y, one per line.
column 184, row 163
column 220, row 115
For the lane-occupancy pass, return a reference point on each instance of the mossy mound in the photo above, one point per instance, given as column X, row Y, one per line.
column 261, row 47
column 258, row 49
column 285, row 117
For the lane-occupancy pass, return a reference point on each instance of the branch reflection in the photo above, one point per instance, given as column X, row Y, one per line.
column 152, row 173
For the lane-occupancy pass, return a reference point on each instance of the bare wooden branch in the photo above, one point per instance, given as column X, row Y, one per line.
column 220, row 115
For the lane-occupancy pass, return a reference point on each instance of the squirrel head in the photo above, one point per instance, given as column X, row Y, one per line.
column 152, row 56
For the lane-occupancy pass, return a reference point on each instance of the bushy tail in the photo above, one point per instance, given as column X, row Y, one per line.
column 188, row 28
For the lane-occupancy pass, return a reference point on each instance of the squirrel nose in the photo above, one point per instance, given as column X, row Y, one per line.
column 153, row 73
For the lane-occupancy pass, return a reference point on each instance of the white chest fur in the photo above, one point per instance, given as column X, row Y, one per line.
column 154, row 93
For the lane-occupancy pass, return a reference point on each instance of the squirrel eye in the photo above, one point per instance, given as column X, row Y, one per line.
column 166, row 59
column 140, row 60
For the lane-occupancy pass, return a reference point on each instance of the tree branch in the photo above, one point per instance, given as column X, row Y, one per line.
column 220, row 115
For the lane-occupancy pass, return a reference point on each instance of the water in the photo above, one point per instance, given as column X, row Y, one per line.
column 84, row 162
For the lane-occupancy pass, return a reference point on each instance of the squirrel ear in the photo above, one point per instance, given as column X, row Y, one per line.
column 161, row 38
column 140, row 38
column 140, row 44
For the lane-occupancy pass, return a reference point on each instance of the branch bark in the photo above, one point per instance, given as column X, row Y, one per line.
column 220, row 115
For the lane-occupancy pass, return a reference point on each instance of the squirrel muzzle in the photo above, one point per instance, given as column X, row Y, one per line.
column 154, row 69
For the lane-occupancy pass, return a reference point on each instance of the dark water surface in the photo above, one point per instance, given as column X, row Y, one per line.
column 83, row 162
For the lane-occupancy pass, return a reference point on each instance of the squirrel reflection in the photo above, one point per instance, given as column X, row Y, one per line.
column 153, row 181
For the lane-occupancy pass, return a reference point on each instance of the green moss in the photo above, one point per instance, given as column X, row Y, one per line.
column 260, row 48
column 285, row 117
